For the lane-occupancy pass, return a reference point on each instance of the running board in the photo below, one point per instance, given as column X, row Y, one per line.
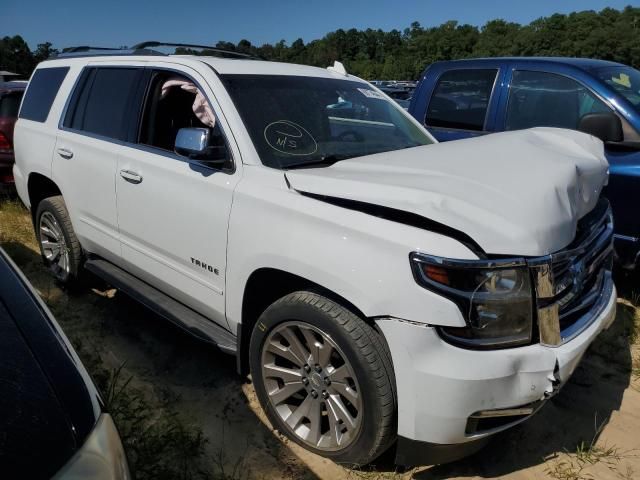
column 165, row 306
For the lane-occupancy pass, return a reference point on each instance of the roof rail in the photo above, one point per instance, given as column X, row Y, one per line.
column 147, row 48
column 223, row 52
column 86, row 51
column 85, row 48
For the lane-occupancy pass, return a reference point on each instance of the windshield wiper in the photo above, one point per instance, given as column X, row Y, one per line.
column 325, row 161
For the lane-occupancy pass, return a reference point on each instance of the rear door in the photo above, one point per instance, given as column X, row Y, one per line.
column 101, row 112
column 462, row 102
column 173, row 212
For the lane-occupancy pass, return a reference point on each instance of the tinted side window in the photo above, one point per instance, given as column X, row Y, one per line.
column 41, row 93
column 10, row 104
column 541, row 99
column 460, row 99
column 101, row 101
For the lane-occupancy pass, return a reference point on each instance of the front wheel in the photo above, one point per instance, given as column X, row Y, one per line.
column 324, row 378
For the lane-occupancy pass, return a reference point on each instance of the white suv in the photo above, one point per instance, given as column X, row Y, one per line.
column 381, row 289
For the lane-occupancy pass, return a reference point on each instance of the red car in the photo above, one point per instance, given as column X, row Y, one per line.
column 10, row 97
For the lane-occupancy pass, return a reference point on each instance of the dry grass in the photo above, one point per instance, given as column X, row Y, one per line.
column 160, row 444
column 578, row 465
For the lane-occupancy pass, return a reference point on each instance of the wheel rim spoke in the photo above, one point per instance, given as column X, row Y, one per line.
column 324, row 354
column 334, row 429
column 346, row 391
column 339, row 374
column 339, row 410
column 277, row 348
column 312, row 344
column 285, row 374
column 311, row 385
column 285, row 392
column 315, row 423
column 299, row 413
column 295, row 345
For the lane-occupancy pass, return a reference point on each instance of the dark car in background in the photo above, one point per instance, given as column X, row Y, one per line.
column 466, row 98
column 52, row 422
column 401, row 95
column 10, row 98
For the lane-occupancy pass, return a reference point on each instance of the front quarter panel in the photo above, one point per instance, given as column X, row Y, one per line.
column 362, row 258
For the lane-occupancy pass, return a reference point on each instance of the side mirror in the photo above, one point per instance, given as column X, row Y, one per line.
column 195, row 143
column 606, row 126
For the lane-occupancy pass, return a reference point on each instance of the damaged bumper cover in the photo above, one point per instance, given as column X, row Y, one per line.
column 450, row 399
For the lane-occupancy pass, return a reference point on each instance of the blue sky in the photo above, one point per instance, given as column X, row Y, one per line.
column 118, row 22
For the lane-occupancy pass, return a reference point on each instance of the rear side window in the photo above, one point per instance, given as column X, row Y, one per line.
column 542, row 99
column 10, row 104
column 42, row 91
column 102, row 101
column 460, row 99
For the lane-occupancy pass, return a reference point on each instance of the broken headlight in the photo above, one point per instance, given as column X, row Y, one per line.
column 494, row 296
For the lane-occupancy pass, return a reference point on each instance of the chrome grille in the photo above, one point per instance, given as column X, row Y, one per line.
column 570, row 283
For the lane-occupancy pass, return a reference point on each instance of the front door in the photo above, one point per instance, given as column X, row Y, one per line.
column 172, row 211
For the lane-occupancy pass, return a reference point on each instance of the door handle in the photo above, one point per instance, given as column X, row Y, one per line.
column 65, row 153
column 131, row 177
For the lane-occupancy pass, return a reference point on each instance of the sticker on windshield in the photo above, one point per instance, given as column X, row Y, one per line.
column 290, row 138
column 372, row 94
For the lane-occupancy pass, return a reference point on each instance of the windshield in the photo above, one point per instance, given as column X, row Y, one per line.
column 625, row 81
column 297, row 121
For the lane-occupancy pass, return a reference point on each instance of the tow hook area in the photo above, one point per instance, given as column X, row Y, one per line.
column 554, row 385
column 485, row 421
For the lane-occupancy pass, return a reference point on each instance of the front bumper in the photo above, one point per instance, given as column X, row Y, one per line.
column 442, row 388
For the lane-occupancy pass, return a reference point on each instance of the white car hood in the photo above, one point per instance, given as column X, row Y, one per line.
column 515, row 193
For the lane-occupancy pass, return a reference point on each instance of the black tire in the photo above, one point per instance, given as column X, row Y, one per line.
column 369, row 356
column 55, row 207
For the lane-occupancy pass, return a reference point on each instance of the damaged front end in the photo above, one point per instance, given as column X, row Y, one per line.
column 503, row 300
column 529, row 322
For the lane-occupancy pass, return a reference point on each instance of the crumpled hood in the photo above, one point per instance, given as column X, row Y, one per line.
column 514, row 193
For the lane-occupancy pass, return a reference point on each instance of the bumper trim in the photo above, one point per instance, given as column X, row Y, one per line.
column 414, row 453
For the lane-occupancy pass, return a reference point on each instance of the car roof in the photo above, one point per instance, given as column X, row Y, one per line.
column 224, row 66
column 582, row 63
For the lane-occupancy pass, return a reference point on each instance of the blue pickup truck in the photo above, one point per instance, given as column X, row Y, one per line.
column 465, row 98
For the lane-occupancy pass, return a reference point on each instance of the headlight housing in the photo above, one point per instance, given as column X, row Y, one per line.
column 494, row 296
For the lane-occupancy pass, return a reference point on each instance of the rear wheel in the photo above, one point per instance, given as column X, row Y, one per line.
column 59, row 246
column 324, row 378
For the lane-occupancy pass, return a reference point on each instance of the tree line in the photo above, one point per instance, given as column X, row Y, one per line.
column 609, row 34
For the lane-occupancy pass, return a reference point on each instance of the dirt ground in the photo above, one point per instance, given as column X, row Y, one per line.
column 591, row 430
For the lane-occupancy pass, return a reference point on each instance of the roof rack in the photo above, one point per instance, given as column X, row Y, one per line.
column 87, row 51
column 147, row 48
column 221, row 51
column 85, row 48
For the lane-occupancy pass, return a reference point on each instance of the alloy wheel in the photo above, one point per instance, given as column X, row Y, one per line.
column 312, row 386
column 54, row 246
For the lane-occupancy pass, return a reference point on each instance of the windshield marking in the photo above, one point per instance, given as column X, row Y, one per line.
column 287, row 137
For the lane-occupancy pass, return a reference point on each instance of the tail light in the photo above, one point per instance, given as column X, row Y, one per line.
column 4, row 142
